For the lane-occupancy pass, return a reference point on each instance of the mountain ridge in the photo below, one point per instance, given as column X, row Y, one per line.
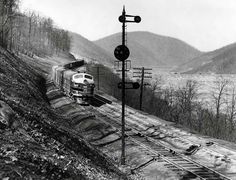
column 219, row 61
column 150, row 49
column 80, row 46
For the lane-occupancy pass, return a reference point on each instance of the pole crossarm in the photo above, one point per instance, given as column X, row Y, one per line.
column 143, row 76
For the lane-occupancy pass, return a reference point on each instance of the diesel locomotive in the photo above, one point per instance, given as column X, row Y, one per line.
column 78, row 85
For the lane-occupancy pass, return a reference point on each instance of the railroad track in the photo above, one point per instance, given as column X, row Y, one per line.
column 175, row 161
column 164, row 130
column 159, row 151
column 98, row 101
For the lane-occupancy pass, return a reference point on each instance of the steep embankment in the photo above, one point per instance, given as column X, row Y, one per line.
column 220, row 61
column 148, row 49
column 33, row 140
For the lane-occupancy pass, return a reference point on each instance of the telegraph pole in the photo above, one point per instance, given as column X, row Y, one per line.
column 143, row 75
column 141, row 91
column 122, row 53
column 98, row 77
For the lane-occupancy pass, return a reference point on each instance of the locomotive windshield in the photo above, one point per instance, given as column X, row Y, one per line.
column 79, row 76
column 83, row 76
column 88, row 77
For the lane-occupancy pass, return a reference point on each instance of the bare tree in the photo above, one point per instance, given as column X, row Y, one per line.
column 219, row 100
column 231, row 113
column 31, row 17
column 8, row 9
column 185, row 100
column 155, row 88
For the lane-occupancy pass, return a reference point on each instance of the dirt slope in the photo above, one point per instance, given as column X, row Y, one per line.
column 31, row 142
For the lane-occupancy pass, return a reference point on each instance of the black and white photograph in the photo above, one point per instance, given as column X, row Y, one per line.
column 118, row 89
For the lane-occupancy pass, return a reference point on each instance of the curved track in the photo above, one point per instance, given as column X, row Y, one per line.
column 145, row 132
column 176, row 161
column 147, row 125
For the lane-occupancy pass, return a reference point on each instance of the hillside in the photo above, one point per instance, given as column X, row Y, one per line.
column 220, row 61
column 25, row 150
column 148, row 49
column 33, row 142
column 84, row 48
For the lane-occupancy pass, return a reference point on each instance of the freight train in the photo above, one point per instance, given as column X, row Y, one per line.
column 78, row 85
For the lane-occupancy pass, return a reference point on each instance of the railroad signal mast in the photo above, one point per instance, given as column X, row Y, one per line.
column 122, row 53
column 118, row 66
column 142, row 73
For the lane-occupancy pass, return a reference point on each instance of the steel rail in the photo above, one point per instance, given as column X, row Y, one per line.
column 185, row 163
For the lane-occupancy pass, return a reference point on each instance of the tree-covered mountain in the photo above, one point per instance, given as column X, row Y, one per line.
column 220, row 61
column 29, row 33
column 148, row 49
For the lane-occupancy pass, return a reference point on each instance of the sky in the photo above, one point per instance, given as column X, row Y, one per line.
column 204, row 24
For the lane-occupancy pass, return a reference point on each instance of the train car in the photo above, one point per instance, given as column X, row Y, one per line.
column 79, row 86
column 83, row 85
column 81, row 69
column 53, row 73
column 59, row 76
column 67, row 82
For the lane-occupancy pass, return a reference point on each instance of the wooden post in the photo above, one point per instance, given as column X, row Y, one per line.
column 141, row 90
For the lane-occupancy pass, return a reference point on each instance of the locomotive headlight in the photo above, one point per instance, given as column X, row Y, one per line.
column 75, row 92
column 75, row 84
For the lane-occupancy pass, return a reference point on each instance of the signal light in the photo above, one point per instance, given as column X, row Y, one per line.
column 137, row 19
column 121, row 52
column 136, row 85
column 129, row 85
column 121, row 18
